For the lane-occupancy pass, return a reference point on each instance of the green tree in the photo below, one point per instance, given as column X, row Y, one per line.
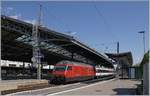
column 144, row 61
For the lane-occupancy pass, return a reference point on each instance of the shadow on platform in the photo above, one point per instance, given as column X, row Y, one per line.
column 125, row 91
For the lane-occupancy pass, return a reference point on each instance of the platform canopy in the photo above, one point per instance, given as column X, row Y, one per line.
column 17, row 44
column 124, row 58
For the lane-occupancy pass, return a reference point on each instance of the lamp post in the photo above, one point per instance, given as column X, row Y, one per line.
column 143, row 32
column 0, row 72
column 0, row 64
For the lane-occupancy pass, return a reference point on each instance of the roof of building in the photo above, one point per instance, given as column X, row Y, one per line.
column 125, row 57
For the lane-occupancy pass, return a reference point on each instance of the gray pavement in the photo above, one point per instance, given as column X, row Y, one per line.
column 13, row 84
column 115, row 87
column 108, row 87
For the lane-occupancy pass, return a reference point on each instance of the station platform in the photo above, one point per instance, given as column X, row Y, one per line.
column 11, row 86
column 114, row 87
column 107, row 87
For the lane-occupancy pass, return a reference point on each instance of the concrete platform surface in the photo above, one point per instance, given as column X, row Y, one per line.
column 14, row 84
column 115, row 87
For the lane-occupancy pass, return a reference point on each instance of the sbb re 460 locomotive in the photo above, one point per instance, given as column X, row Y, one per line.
column 67, row 71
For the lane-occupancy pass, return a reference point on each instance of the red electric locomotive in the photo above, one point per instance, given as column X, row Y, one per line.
column 67, row 71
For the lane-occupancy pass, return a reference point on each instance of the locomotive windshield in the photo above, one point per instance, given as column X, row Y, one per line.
column 59, row 68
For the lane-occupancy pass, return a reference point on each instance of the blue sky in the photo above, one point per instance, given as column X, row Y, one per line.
column 98, row 24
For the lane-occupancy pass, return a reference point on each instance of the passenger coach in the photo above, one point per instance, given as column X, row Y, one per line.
column 67, row 71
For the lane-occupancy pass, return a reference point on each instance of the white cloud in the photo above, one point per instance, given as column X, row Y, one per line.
column 71, row 33
column 30, row 21
column 10, row 8
column 16, row 16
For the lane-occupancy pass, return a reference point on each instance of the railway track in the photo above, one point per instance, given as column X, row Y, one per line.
column 59, row 88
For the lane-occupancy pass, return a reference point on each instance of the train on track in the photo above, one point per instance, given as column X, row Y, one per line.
column 68, row 71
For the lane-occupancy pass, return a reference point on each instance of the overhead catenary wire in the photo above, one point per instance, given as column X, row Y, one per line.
column 107, row 47
column 59, row 20
column 108, row 27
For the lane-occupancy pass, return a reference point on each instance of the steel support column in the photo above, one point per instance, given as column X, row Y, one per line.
column 36, row 51
column 36, row 59
column 72, row 55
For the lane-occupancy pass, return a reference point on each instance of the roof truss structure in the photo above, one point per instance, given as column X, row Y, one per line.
column 17, row 45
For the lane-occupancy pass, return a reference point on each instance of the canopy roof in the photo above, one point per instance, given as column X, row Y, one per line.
column 124, row 58
column 17, row 44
